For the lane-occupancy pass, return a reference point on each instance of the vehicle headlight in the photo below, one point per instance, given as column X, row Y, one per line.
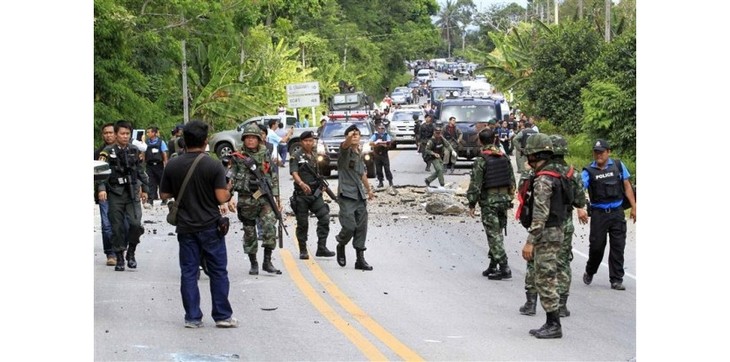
column 367, row 157
column 320, row 158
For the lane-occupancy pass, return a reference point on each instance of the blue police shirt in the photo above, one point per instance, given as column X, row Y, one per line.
column 163, row 146
column 374, row 137
column 586, row 181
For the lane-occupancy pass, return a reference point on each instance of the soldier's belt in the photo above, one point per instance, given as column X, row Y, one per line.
column 498, row 190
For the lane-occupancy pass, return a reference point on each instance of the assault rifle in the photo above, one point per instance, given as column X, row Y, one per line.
column 323, row 185
column 265, row 190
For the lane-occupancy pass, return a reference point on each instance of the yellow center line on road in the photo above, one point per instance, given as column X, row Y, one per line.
column 363, row 344
column 370, row 324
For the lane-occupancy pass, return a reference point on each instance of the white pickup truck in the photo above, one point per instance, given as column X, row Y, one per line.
column 225, row 142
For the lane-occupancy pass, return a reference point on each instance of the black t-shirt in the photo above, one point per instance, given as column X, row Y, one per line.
column 198, row 209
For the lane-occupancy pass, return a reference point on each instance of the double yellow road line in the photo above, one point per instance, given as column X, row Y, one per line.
column 370, row 351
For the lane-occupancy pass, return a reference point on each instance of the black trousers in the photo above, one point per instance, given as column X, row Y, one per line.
column 154, row 172
column 383, row 162
column 613, row 226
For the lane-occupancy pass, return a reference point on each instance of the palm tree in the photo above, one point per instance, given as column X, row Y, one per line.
column 448, row 21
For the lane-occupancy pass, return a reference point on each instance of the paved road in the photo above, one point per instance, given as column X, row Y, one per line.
column 425, row 298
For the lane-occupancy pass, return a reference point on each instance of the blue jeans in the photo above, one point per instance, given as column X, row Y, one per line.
column 212, row 247
column 106, row 228
column 282, row 152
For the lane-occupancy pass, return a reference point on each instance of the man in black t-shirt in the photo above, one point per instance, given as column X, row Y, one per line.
column 197, row 226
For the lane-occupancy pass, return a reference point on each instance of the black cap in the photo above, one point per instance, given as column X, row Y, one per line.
column 305, row 135
column 528, row 125
column 351, row 128
column 601, row 145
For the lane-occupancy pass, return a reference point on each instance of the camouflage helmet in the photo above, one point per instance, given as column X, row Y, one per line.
column 538, row 142
column 560, row 145
column 252, row 129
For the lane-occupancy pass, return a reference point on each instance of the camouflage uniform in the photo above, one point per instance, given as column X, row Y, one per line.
column 250, row 207
column 122, row 190
column 434, row 147
column 494, row 203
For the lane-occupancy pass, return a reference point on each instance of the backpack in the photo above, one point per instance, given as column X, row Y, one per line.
column 524, row 214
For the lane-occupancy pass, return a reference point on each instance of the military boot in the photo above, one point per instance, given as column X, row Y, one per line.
column 360, row 262
column 303, row 254
column 120, row 261
column 267, row 265
column 530, row 304
column 562, row 305
column 322, row 249
column 491, row 269
column 341, row 259
column 131, row 261
column 380, row 184
column 552, row 328
column 254, row 265
column 504, row 272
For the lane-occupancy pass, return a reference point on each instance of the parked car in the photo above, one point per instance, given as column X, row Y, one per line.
column 225, row 142
column 333, row 134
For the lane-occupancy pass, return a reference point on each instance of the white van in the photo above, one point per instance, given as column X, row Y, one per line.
column 423, row 75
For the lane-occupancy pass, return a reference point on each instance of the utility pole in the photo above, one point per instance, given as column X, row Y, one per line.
column 186, row 116
column 608, row 21
column 344, row 60
column 580, row 9
column 556, row 11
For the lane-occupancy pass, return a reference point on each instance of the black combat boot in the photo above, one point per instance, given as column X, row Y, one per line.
column 120, row 261
column 530, row 304
column 341, row 259
column 360, row 262
column 322, row 249
column 131, row 261
column 390, row 183
column 562, row 306
column 380, row 184
column 303, row 254
column 552, row 328
column 504, row 272
column 254, row 265
column 267, row 265
column 491, row 269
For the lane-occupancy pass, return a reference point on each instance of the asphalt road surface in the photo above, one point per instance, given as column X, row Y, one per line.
column 425, row 299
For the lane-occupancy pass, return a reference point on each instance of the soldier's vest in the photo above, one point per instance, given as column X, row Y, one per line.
column 305, row 173
column 123, row 164
column 605, row 186
column 153, row 154
column 438, row 147
column 380, row 149
column 496, row 170
column 426, row 131
column 527, row 132
column 450, row 133
column 244, row 179
column 559, row 199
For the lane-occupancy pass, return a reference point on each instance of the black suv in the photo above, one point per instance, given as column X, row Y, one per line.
column 333, row 134
column 471, row 115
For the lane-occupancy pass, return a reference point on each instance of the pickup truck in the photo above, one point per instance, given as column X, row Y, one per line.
column 225, row 142
column 333, row 134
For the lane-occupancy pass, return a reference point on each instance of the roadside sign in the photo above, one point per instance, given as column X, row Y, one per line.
column 298, row 89
column 307, row 100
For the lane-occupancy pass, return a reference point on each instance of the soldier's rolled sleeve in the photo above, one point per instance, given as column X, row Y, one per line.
column 542, row 193
column 475, row 185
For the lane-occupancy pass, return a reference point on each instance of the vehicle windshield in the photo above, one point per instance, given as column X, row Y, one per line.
column 469, row 113
column 336, row 129
column 406, row 116
column 441, row 93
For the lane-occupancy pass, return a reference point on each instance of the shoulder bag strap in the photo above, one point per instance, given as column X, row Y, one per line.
column 187, row 177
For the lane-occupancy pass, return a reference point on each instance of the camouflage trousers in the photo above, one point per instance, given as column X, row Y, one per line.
column 542, row 270
column 250, row 209
column 564, row 257
column 438, row 171
column 494, row 216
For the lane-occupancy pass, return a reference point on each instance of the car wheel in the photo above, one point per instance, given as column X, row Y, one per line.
column 223, row 149
column 371, row 170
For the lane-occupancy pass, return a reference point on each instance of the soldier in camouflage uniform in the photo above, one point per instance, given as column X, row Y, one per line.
column 308, row 197
column 565, row 254
column 123, row 192
column 434, row 152
column 543, row 213
column 251, row 205
column 492, row 185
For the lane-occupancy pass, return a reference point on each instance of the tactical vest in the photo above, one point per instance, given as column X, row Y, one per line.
column 305, row 173
column 450, row 133
column 605, row 186
column 123, row 164
column 244, row 179
column 496, row 171
column 438, row 147
column 558, row 209
column 527, row 132
column 426, row 131
column 152, row 156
